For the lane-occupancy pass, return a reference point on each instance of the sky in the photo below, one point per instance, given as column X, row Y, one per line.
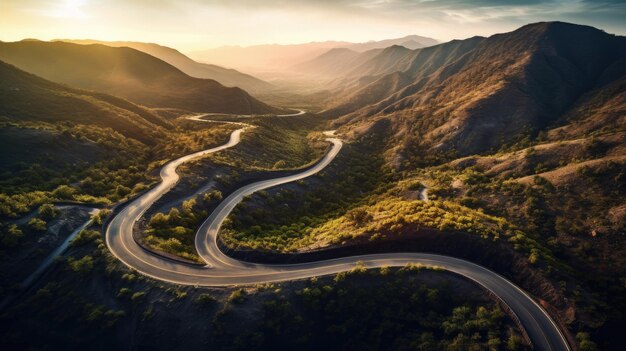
column 201, row 24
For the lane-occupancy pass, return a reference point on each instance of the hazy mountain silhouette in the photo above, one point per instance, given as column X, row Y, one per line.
column 127, row 73
column 24, row 96
column 225, row 76
column 280, row 57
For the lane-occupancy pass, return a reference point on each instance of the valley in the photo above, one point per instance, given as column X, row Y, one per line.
column 400, row 194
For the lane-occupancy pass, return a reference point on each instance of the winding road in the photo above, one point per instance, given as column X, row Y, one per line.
column 222, row 270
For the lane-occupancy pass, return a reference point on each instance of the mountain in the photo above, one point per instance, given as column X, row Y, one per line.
column 225, row 76
column 127, row 73
column 335, row 62
column 409, row 42
column 278, row 57
column 473, row 95
column 26, row 97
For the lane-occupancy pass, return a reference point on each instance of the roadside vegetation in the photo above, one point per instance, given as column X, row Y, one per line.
column 547, row 224
column 274, row 144
column 114, row 168
column 92, row 297
column 277, row 143
column 174, row 232
column 284, row 218
column 396, row 310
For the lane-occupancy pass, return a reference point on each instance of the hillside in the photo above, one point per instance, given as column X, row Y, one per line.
column 456, row 97
column 26, row 97
column 225, row 76
column 127, row 73
column 335, row 62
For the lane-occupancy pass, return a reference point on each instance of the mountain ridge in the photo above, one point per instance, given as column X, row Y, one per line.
column 462, row 98
column 226, row 76
column 278, row 56
column 27, row 97
column 128, row 73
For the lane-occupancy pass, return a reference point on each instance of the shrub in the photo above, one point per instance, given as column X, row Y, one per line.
column 47, row 211
column 279, row 164
column 237, row 296
column 124, row 292
column 85, row 236
column 416, row 186
column 98, row 217
column 37, row 224
column 359, row 216
column 12, row 236
column 585, row 343
column 136, row 297
column 64, row 192
column 129, row 277
column 81, row 266
column 205, row 299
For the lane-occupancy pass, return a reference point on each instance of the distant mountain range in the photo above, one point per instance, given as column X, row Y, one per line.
column 127, row 73
column 473, row 95
column 225, row 76
column 280, row 57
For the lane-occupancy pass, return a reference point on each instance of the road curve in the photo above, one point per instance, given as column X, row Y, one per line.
column 222, row 270
column 299, row 113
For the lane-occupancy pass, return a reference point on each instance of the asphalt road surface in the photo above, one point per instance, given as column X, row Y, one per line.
column 222, row 270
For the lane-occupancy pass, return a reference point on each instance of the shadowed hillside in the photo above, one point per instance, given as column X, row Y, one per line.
column 127, row 73
column 225, row 76
column 26, row 97
column 458, row 96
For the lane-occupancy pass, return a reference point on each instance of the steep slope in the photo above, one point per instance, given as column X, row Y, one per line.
column 25, row 97
column 127, row 73
column 478, row 94
column 225, row 76
column 374, row 74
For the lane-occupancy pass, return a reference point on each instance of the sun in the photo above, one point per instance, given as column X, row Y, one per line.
column 69, row 9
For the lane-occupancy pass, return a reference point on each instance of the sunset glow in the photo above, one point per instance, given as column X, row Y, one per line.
column 198, row 25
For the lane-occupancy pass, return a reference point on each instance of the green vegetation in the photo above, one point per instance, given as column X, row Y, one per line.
column 82, row 266
column 11, row 236
column 38, row 224
column 120, row 172
column 85, row 236
column 274, row 143
column 277, row 143
column 396, row 311
column 285, row 218
column 174, row 232
column 237, row 296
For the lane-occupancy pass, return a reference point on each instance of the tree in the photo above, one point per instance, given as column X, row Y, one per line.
column 38, row 224
column 159, row 220
column 585, row 343
column 12, row 236
column 81, row 266
column 359, row 216
column 279, row 164
column 513, row 343
column 64, row 192
column 188, row 206
column 173, row 215
column 47, row 211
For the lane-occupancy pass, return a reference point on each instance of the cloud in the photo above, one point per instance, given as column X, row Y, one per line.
column 206, row 23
